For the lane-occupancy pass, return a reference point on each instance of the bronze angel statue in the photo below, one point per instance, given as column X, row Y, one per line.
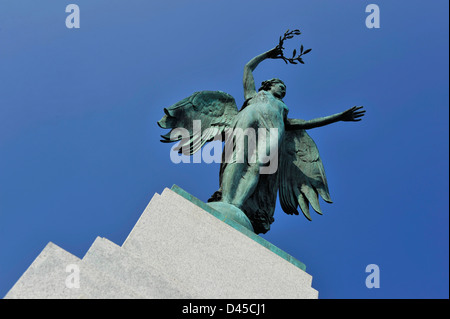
column 299, row 175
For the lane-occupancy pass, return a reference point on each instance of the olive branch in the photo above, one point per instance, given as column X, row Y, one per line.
column 289, row 35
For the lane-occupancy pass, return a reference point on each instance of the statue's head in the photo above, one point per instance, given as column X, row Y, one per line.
column 274, row 86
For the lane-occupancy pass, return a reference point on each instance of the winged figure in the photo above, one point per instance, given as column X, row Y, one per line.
column 299, row 176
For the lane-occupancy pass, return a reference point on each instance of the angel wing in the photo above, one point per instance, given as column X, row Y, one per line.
column 216, row 111
column 301, row 174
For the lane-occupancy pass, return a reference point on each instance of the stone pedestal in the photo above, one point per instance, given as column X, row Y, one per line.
column 179, row 248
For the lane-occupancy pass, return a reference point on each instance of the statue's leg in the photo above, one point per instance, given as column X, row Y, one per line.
column 239, row 181
column 247, row 185
column 230, row 179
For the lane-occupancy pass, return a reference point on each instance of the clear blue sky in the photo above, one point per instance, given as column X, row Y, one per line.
column 80, row 155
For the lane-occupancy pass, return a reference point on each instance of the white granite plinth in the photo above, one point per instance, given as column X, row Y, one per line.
column 179, row 248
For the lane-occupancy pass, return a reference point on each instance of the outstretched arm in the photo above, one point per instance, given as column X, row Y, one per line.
column 249, row 81
column 351, row 115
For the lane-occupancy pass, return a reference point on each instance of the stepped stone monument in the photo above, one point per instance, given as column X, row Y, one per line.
column 182, row 247
column 179, row 248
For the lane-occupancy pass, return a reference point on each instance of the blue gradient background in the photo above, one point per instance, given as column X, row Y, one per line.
column 80, row 155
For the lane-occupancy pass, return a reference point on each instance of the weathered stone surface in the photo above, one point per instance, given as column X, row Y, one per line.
column 179, row 248
column 48, row 275
column 212, row 258
column 132, row 271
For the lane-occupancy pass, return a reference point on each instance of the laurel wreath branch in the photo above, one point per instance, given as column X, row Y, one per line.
column 294, row 59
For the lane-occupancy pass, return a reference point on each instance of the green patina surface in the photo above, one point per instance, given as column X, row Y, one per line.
column 239, row 227
column 253, row 173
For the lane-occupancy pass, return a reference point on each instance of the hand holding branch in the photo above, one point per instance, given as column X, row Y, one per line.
column 277, row 52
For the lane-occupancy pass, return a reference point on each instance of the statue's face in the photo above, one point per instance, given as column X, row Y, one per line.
column 278, row 90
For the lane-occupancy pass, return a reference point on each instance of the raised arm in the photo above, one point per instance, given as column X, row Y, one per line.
column 249, row 81
column 351, row 115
